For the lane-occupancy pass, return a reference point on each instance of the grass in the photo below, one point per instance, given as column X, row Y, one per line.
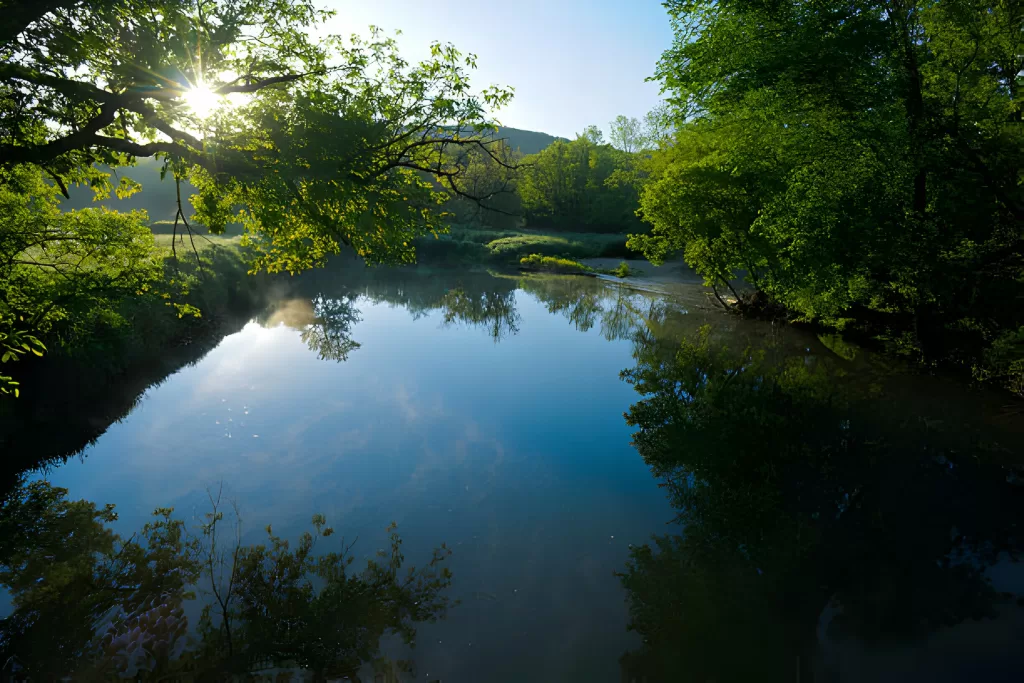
column 507, row 247
column 553, row 264
column 202, row 242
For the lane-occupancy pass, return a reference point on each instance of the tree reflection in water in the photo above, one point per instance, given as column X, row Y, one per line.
column 91, row 605
column 809, row 510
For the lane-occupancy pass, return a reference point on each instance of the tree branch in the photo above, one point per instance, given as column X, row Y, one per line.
column 18, row 16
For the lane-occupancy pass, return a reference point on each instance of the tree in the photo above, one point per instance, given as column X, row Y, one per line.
column 858, row 162
column 491, row 193
column 658, row 127
column 62, row 268
column 320, row 136
column 627, row 134
column 593, row 135
column 312, row 144
column 579, row 184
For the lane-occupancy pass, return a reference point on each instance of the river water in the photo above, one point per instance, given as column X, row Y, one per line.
column 486, row 412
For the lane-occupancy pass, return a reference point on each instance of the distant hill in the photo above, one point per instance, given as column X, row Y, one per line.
column 527, row 141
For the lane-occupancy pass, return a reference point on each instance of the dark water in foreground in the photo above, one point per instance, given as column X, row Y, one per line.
column 824, row 515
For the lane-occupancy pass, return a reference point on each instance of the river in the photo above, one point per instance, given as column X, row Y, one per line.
column 486, row 412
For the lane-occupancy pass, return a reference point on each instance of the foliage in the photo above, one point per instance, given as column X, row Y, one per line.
column 15, row 343
column 553, row 264
column 311, row 144
column 324, row 137
column 567, row 187
column 491, row 199
column 90, row 604
column 626, row 133
column 622, row 270
column 63, row 272
column 858, row 162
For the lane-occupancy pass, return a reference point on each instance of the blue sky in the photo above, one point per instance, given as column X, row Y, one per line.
column 572, row 62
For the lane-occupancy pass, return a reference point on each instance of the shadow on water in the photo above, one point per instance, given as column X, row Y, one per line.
column 825, row 531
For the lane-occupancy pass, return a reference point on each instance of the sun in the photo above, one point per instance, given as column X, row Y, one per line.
column 202, row 100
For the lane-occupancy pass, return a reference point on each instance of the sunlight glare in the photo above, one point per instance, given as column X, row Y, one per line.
column 202, row 100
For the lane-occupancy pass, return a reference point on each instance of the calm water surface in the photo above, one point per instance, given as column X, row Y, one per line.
column 512, row 450
column 487, row 413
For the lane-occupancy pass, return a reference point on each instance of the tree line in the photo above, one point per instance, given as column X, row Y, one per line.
column 587, row 184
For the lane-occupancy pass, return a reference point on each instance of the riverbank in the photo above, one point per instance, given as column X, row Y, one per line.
column 110, row 361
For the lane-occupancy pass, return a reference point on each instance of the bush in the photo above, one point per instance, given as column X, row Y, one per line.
column 495, row 247
column 579, row 246
column 552, row 264
column 623, row 270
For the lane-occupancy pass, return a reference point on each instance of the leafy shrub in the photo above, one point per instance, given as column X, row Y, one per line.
column 553, row 264
column 578, row 246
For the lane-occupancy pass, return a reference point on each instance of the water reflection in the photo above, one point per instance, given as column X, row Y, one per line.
column 92, row 605
column 324, row 307
column 827, row 511
column 824, row 532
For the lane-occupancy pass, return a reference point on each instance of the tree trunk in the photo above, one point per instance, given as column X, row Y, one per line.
column 904, row 14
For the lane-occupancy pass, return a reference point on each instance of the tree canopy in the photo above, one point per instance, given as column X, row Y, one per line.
column 858, row 162
column 312, row 142
column 579, row 185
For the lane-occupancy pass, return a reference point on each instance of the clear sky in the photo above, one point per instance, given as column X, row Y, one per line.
column 571, row 62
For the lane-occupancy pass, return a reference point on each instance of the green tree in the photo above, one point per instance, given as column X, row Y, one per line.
column 579, row 185
column 627, row 134
column 858, row 162
column 490, row 198
column 312, row 144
